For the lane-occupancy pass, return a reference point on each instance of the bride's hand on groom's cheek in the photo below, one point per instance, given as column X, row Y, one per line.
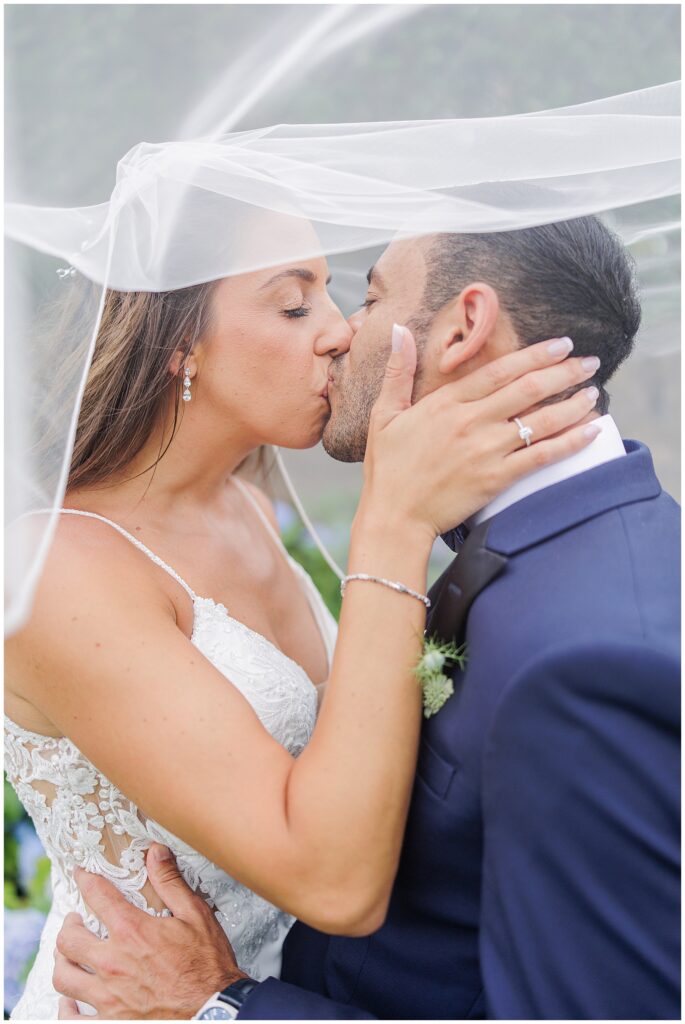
column 436, row 462
column 150, row 968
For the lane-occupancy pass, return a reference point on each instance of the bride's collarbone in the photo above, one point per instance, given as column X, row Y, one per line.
column 253, row 581
column 255, row 584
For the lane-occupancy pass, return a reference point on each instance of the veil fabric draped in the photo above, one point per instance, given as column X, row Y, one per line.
column 231, row 201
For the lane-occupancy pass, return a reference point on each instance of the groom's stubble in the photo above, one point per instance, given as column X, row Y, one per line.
column 346, row 433
column 358, row 380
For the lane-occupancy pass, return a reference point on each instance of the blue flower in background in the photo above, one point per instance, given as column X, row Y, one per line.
column 22, row 932
column 30, row 851
column 287, row 519
column 27, row 895
column 285, row 515
column 329, row 536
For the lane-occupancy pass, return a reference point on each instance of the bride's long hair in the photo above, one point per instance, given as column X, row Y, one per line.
column 129, row 384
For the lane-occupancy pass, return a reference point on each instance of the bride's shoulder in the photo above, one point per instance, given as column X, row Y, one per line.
column 82, row 584
column 88, row 563
column 83, row 542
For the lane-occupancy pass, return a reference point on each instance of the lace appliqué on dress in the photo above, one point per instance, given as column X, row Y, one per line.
column 83, row 820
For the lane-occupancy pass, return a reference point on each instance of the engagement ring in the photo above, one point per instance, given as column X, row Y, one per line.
column 525, row 433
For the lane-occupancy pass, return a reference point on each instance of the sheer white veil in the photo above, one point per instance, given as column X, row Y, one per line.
column 229, row 193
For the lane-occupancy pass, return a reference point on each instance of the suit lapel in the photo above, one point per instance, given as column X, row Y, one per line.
column 532, row 521
column 455, row 591
column 564, row 505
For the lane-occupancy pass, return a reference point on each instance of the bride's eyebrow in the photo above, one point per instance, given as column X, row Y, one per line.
column 304, row 275
column 373, row 277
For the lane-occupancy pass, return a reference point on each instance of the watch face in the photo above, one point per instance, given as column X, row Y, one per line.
column 217, row 1012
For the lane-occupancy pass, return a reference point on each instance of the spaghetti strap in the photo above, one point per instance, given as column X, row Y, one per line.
column 134, row 540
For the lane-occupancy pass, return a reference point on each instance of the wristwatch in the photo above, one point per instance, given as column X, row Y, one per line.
column 226, row 1005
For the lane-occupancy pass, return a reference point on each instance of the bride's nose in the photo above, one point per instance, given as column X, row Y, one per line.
column 335, row 341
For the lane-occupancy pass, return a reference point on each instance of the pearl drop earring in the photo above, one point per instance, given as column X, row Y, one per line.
column 186, row 385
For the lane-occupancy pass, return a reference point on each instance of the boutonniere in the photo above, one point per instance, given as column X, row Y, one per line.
column 436, row 686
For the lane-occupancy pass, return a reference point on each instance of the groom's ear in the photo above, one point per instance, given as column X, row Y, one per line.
column 466, row 325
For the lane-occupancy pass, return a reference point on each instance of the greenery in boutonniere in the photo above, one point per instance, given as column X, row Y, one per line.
column 437, row 687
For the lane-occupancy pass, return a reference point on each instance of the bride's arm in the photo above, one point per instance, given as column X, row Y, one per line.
column 318, row 836
column 321, row 693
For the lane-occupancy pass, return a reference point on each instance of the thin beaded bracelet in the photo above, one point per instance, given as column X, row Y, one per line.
column 399, row 587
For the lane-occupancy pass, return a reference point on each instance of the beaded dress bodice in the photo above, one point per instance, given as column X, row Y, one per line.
column 82, row 819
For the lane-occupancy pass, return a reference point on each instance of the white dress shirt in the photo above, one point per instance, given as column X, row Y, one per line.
column 606, row 446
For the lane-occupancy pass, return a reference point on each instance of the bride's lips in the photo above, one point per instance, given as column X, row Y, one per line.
column 330, row 383
column 325, row 392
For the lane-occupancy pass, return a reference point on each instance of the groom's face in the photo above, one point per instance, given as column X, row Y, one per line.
column 396, row 287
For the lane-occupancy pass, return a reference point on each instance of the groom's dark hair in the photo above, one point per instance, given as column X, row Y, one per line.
column 573, row 278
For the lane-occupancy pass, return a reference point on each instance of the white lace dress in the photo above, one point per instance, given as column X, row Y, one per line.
column 82, row 819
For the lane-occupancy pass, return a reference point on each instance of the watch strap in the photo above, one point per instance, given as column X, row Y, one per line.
column 236, row 994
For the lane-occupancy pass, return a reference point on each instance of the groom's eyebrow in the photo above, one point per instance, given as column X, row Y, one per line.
column 301, row 272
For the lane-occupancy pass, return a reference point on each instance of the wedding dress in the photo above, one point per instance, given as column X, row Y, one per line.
column 82, row 819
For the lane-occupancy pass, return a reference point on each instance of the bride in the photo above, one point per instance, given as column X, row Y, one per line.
column 165, row 685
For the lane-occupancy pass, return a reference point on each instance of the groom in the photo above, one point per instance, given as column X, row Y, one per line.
column 540, row 870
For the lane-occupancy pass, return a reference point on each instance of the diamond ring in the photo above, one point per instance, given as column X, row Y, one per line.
column 525, row 433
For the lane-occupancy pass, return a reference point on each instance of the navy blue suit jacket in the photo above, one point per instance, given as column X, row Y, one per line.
column 540, row 868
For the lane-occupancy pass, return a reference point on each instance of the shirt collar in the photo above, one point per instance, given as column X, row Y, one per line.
column 606, row 446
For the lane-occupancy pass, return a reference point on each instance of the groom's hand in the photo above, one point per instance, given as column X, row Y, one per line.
column 149, row 968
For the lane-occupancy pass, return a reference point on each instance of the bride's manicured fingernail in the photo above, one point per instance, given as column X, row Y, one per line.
column 592, row 394
column 591, row 363
column 592, row 430
column 397, row 337
column 560, row 347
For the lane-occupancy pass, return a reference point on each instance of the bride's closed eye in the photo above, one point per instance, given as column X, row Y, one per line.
column 295, row 313
column 367, row 303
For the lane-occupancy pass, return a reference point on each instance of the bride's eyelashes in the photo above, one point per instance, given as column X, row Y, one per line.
column 367, row 303
column 303, row 310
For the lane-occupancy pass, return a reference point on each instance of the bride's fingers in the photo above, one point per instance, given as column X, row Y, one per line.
column 68, row 1010
column 550, row 420
column 527, row 460
column 535, row 388
column 503, row 371
column 398, row 381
